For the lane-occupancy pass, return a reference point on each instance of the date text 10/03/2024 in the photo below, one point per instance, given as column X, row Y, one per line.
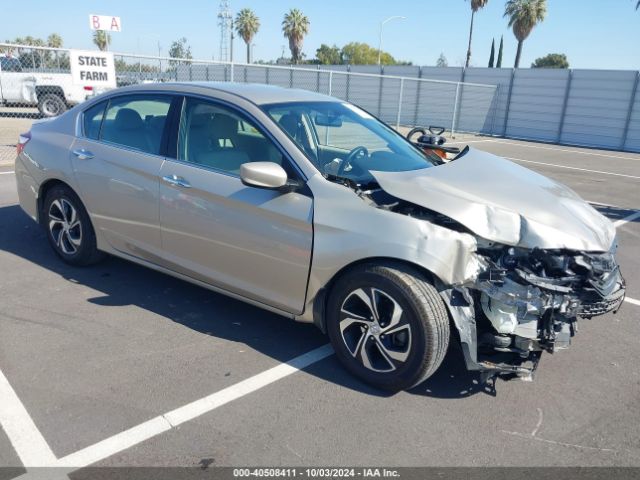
column 316, row 472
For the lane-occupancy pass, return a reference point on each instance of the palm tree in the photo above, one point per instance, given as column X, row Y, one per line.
column 475, row 6
column 54, row 41
column 295, row 26
column 523, row 16
column 101, row 39
column 247, row 25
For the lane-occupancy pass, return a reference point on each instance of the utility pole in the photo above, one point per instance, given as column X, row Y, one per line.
column 380, row 39
column 225, row 22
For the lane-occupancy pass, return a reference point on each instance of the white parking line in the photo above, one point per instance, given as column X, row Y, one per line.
column 565, row 150
column 627, row 219
column 632, row 301
column 7, row 173
column 172, row 419
column 471, row 141
column 23, row 434
column 572, row 168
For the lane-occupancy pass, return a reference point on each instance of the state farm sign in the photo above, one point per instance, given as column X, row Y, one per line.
column 95, row 69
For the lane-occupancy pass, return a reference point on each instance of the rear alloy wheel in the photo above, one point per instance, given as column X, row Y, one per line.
column 388, row 325
column 65, row 226
column 69, row 228
column 51, row 105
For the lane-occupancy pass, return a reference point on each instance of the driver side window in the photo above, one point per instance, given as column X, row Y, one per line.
column 217, row 137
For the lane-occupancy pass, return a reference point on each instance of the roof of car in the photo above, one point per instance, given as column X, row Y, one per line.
column 266, row 94
column 259, row 94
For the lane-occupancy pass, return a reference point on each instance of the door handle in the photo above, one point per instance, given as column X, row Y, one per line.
column 177, row 181
column 83, row 154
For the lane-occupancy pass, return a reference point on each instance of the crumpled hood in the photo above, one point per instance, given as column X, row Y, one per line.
column 504, row 202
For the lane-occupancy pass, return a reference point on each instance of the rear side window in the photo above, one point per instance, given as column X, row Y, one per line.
column 93, row 120
column 136, row 121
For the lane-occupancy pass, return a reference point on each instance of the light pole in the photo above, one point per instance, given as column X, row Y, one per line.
column 382, row 25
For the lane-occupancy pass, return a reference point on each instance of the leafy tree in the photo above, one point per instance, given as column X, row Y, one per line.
column 553, row 60
column 101, row 39
column 356, row 53
column 295, row 26
column 524, row 15
column 500, row 51
column 247, row 25
column 327, row 55
column 492, row 57
column 442, row 61
column 475, row 6
column 181, row 50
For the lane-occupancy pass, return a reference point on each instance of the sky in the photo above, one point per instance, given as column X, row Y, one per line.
column 592, row 33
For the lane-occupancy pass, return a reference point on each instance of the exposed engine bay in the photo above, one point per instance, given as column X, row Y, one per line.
column 525, row 301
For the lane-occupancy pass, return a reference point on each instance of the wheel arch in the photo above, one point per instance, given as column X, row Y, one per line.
column 42, row 90
column 322, row 296
column 45, row 187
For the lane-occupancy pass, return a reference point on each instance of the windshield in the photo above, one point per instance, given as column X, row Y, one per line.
column 344, row 141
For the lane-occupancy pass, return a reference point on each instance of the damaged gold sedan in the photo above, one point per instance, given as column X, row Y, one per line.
column 308, row 206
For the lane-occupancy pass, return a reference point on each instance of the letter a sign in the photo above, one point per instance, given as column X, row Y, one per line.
column 105, row 22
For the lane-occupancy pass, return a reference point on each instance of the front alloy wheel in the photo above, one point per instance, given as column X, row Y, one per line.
column 374, row 329
column 388, row 325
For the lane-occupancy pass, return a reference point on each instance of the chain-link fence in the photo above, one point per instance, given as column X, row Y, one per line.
column 36, row 82
column 399, row 101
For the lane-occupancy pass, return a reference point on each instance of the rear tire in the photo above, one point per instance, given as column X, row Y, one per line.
column 51, row 105
column 69, row 228
column 388, row 325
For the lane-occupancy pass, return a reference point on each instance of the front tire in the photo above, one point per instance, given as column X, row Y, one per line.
column 388, row 325
column 69, row 228
column 51, row 105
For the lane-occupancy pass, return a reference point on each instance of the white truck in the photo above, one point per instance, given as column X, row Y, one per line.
column 52, row 93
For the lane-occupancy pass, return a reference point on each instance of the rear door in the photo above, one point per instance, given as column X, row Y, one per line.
column 116, row 163
column 250, row 241
column 13, row 80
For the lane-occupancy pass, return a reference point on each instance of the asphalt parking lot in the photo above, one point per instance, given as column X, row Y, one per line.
column 117, row 365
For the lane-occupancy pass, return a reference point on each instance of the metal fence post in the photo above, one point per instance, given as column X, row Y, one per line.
column 380, row 89
column 632, row 102
column 418, row 93
column 348, row 82
column 231, row 73
column 496, row 96
column 455, row 109
column 508, row 107
column 567, row 91
column 291, row 77
column 330, row 82
column 400, row 103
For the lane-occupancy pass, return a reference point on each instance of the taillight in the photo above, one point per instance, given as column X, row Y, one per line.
column 23, row 139
column 89, row 89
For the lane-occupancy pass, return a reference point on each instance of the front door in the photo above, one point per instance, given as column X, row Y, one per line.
column 116, row 163
column 250, row 241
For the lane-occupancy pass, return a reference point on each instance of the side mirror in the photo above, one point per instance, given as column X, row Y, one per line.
column 263, row 175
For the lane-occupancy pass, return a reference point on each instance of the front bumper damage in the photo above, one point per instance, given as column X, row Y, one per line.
column 527, row 302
